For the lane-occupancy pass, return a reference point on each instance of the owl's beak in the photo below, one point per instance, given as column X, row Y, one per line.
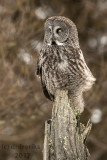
column 53, row 41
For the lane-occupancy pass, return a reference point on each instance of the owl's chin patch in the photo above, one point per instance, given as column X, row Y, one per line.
column 59, row 43
column 54, row 43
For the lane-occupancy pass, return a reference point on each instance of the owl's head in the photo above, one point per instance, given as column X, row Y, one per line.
column 60, row 31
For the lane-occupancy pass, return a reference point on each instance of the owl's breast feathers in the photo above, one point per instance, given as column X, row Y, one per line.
column 63, row 66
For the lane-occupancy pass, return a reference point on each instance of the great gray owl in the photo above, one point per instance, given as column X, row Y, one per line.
column 61, row 63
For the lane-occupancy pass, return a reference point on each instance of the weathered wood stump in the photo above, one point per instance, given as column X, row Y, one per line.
column 65, row 136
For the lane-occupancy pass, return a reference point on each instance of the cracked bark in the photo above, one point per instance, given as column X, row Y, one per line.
column 65, row 136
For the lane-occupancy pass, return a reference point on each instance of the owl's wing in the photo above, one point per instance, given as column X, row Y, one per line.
column 39, row 69
column 39, row 64
column 39, row 74
column 46, row 93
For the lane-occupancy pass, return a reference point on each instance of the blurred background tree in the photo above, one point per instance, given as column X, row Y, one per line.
column 23, row 107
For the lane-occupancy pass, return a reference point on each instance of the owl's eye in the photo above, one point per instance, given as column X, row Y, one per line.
column 59, row 30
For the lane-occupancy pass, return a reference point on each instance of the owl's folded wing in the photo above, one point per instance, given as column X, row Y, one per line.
column 39, row 74
column 39, row 69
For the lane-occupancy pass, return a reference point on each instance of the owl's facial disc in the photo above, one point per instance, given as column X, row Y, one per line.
column 56, row 33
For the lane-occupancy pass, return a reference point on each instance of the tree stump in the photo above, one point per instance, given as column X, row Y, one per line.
column 65, row 136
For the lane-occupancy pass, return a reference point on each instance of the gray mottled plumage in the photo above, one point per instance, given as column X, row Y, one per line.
column 61, row 63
